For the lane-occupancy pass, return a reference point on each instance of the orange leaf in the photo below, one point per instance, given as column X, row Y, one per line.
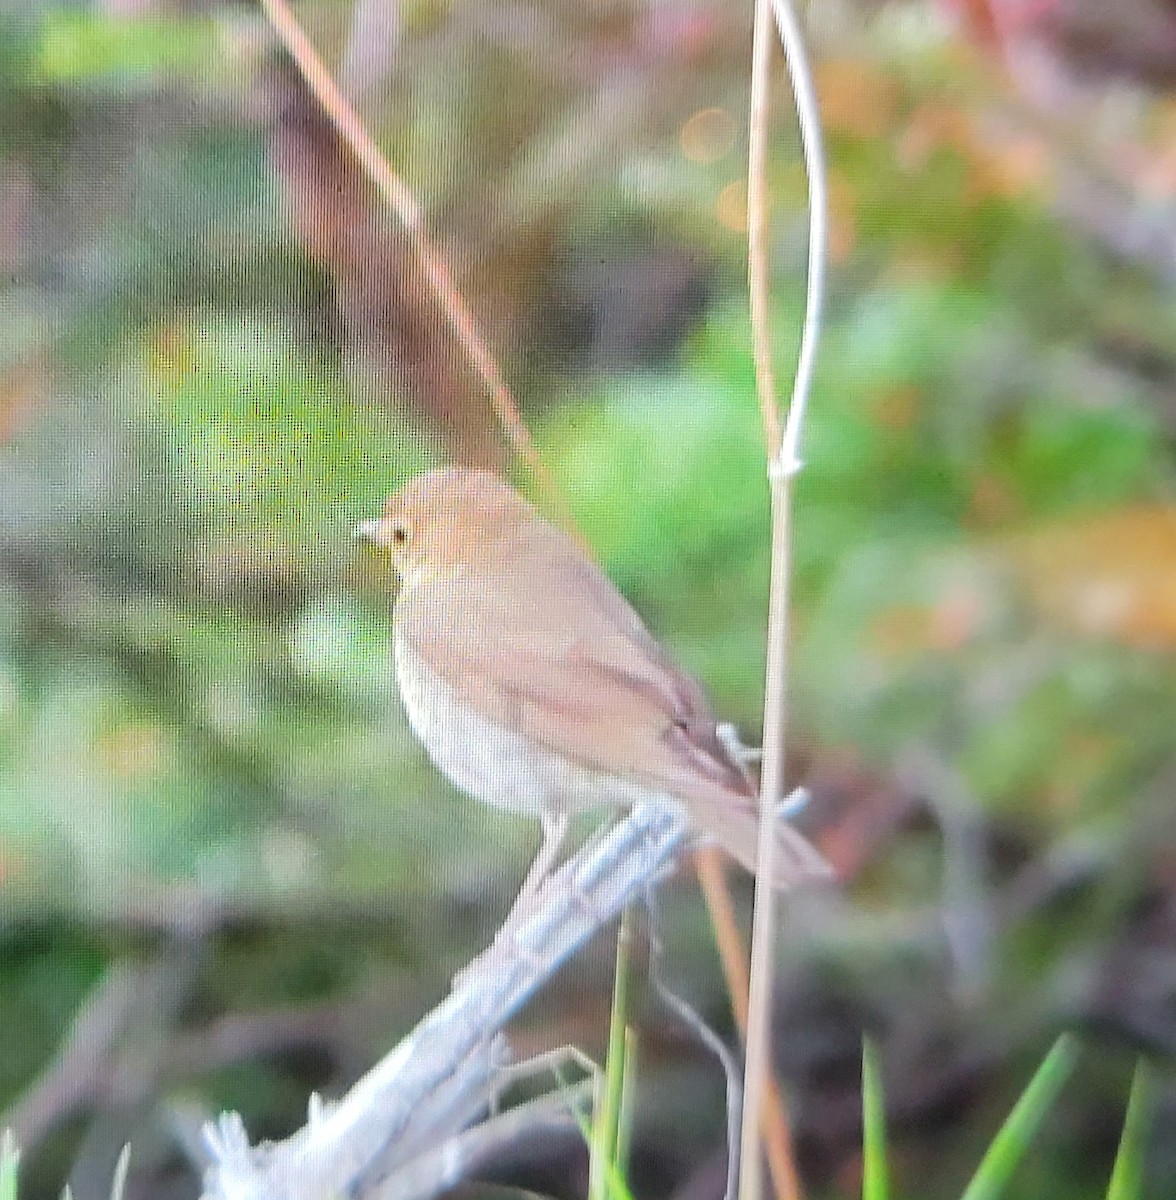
column 855, row 97
column 1111, row 575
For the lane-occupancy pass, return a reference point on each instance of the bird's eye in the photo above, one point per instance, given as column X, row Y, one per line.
column 399, row 535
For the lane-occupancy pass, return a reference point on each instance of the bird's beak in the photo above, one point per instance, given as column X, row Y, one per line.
column 371, row 532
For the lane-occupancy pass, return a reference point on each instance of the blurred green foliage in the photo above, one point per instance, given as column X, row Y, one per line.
column 81, row 46
column 196, row 700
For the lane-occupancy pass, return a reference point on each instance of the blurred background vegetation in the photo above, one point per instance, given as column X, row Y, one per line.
column 228, row 874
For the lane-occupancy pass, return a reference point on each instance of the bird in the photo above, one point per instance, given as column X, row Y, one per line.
column 535, row 687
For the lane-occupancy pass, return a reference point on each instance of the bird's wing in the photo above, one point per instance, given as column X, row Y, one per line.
column 568, row 663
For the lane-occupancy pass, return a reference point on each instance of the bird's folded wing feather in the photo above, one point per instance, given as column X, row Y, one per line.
column 570, row 666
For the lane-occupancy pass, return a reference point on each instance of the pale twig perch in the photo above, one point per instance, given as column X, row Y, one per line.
column 442, row 1076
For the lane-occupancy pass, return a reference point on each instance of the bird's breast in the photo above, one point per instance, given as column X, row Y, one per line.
column 487, row 759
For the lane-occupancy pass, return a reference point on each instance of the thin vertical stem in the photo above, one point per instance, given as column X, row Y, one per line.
column 758, row 1048
column 783, row 452
column 606, row 1118
column 759, row 1007
column 813, row 147
column 776, row 1128
column 758, row 230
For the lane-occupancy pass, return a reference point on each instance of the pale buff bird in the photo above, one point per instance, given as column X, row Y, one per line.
column 535, row 687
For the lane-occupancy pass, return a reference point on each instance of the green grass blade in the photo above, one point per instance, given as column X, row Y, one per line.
column 1127, row 1177
column 625, row 1133
column 606, row 1121
column 618, row 1189
column 119, row 1186
column 9, row 1165
column 1022, row 1124
column 875, row 1174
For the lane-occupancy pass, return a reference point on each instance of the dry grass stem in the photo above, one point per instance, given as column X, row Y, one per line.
column 787, row 459
column 758, row 231
column 777, row 1130
column 758, row 1065
column 404, row 205
column 783, row 463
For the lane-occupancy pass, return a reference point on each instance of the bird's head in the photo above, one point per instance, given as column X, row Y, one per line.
column 445, row 521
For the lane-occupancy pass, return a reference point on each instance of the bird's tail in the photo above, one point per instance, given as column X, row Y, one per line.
column 796, row 859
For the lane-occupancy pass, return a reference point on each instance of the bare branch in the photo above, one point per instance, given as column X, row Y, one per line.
column 441, row 1077
column 458, row 1158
